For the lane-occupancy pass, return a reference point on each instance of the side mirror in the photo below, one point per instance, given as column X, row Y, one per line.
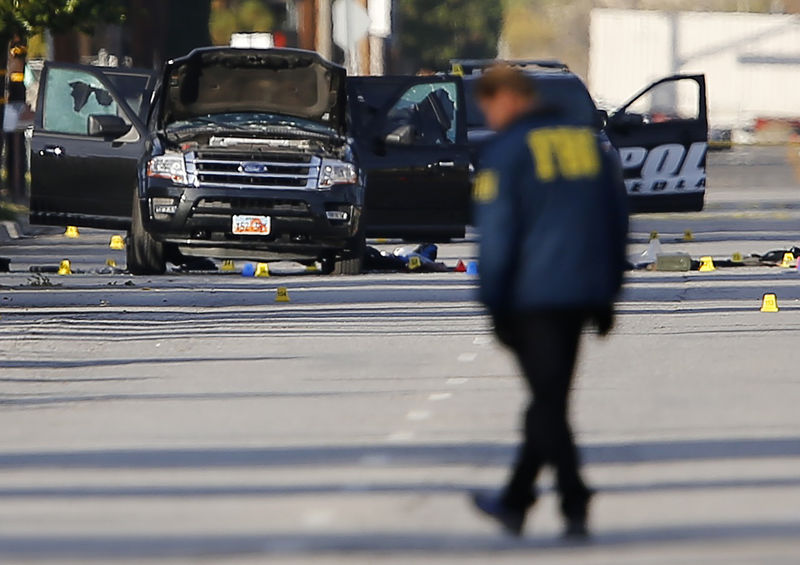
column 402, row 135
column 107, row 126
column 624, row 119
column 600, row 120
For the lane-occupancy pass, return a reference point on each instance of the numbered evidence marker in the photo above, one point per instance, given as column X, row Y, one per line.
column 282, row 294
column 65, row 268
column 707, row 265
column 414, row 263
column 72, row 232
column 769, row 303
column 117, row 243
column 788, row 261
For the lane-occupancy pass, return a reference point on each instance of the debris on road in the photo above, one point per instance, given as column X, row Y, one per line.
column 419, row 259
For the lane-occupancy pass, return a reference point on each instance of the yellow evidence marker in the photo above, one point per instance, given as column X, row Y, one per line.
column 228, row 266
column 688, row 235
column 72, row 232
column 789, row 262
column 262, row 270
column 769, row 303
column 737, row 257
column 117, row 243
column 707, row 265
column 65, row 268
column 282, row 294
column 414, row 263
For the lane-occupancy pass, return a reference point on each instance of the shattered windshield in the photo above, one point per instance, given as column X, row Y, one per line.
column 246, row 121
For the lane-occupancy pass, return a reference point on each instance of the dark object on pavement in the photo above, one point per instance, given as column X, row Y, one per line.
column 776, row 257
column 198, row 264
column 375, row 260
column 5, row 265
column 43, row 269
column 401, row 258
column 513, row 521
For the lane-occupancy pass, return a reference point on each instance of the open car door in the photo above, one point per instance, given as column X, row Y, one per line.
column 662, row 138
column 411, row 139
column 89, row 134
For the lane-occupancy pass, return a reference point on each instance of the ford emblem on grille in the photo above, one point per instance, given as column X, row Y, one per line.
column 254, row 168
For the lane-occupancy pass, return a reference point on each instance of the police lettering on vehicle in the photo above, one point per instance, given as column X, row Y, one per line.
column 669, row 168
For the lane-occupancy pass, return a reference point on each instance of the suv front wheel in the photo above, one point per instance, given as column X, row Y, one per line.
column 349, row 261
column 145, row 255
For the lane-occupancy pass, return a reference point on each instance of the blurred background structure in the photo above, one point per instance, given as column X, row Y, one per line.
column 616, row 45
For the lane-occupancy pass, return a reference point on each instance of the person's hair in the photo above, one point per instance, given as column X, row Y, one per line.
column 505, row 77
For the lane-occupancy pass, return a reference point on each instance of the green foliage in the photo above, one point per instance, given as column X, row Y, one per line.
column 432, row 33
column 28, row 17
column 241, row 16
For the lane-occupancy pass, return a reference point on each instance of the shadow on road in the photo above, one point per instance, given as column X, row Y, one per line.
column 397, row 455
column 369, row 542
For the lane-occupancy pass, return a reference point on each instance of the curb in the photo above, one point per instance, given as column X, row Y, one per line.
column 9, row 231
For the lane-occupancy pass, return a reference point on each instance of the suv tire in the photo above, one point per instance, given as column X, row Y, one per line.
column 145, row 255
column 350, row 261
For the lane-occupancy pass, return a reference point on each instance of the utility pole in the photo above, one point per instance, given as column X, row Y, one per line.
column 324, row 23
column 15, row 106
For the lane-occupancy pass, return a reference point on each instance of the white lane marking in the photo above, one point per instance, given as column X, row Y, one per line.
column 482, row 340
column 375, row 460
column 456, row 381
column 318, row 518
column 401, row 436
column 467, row 357
column 418, row 415
column 437, row 396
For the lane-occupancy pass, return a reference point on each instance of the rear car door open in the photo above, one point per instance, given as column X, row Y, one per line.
column 662, row 138
column 412, row 142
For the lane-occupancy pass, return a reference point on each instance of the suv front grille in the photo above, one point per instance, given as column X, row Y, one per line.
column 236, row 169
column 229, row 206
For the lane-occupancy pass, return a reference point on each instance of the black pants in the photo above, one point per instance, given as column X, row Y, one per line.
column 546, row 344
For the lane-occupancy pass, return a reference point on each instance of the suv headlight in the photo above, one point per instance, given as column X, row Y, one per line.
column 333, row 172
column 168, row 166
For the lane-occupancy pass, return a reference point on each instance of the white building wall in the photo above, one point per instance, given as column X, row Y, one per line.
column 631, row 48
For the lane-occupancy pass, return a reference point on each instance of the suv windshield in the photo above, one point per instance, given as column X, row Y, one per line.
column 249, row 121
column 566, row 94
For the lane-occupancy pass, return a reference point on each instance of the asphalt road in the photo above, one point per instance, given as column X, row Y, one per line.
column 191, row 419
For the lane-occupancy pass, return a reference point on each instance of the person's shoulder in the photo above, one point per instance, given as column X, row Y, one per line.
column 509, row 145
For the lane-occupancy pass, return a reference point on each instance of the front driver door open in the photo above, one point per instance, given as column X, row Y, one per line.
column 87, row 140
column 662, row 138
column 411, row 139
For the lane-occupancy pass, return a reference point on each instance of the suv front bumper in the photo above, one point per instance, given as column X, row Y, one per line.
column 301, row 228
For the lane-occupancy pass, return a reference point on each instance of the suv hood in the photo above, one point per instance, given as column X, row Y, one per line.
column 287, row 82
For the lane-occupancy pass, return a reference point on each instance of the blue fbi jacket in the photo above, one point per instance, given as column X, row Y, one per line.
column 551, row 208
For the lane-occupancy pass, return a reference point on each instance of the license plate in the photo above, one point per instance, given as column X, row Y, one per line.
column 252, row 225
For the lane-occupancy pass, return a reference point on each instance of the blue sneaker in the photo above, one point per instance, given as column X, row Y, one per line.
column 490, row 504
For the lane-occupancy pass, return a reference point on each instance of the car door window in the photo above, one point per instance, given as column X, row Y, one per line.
column 71, row 96
column 669, row 101
column 432, row 109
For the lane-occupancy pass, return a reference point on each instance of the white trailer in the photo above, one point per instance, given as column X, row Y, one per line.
column 751, row 61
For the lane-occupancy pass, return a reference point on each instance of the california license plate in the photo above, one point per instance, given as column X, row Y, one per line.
column 252, row 225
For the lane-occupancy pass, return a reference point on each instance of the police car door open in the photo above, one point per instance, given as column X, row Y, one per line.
column 662, row 138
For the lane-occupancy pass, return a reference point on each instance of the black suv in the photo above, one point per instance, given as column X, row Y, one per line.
column 250, row 154
column 661, row 134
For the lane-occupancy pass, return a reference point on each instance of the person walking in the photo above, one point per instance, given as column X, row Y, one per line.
column 552, row 214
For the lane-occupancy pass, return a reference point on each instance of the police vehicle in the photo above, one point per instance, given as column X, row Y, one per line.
column 661, row 133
